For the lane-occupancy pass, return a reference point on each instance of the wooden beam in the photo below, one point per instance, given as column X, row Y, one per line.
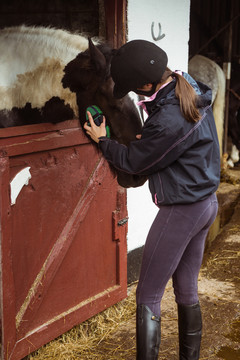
column 227, row 70
column 115, row 14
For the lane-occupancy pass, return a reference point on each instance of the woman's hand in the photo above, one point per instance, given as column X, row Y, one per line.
column 94, row 131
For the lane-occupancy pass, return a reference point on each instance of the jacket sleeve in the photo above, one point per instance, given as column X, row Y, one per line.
column 157, row 149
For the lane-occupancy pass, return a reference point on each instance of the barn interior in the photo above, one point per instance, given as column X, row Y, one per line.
column 101, row 18
column 214, row 30
column 214, row 33
column 72, row 15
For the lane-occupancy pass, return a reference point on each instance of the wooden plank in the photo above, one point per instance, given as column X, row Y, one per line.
column 36, row 142
column 7, row 282
column 67, row 320
column 120, row 228
column 115, row 12
column 121, row 22
column 37, row 128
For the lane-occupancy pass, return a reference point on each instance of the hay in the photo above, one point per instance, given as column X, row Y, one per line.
column 227, row 177
column 93, row 339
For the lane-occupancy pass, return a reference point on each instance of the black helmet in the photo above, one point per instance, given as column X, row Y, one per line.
column 135, row 64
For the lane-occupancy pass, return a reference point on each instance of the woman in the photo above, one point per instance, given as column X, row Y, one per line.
column 178, row 150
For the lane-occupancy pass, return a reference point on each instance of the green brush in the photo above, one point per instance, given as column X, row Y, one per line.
column 97, row 116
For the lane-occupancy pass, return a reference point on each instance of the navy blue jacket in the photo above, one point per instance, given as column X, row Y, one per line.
column 181, row 159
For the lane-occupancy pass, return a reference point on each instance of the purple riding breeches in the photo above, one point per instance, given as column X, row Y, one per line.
column 174, row 248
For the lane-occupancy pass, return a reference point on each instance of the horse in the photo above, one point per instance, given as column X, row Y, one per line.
column 209, row 72
column 52, row 75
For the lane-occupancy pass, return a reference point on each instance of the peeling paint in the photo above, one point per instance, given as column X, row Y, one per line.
column 22, row 178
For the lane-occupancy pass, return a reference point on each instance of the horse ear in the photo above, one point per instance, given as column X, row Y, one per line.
column 96, row 56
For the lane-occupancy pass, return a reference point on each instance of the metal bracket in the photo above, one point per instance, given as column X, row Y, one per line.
column 122, row 221
column 119, row 226
column 160, row 35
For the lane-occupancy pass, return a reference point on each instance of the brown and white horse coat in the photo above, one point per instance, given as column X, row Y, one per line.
column 33, row 67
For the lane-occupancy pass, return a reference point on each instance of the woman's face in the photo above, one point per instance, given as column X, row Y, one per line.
column 146, row 87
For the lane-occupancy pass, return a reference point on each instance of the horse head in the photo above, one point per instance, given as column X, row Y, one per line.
column 88, row 75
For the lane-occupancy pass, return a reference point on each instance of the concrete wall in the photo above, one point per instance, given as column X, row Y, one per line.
column 173, row 17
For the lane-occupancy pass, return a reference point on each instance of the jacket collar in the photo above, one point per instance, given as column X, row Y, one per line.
column 167, row 96
column 163, row 96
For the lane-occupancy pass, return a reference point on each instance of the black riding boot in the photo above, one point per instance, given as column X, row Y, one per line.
column 190, row 331
column 148, row 334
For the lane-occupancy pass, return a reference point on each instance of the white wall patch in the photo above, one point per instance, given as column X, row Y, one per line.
column 22, row 178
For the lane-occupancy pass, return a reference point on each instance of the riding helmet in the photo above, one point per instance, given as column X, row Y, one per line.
column 135, row 64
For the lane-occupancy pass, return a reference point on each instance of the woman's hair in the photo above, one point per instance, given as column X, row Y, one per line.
column 186, row 95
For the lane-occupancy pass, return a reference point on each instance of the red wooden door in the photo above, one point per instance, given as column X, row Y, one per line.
column 63, row 246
